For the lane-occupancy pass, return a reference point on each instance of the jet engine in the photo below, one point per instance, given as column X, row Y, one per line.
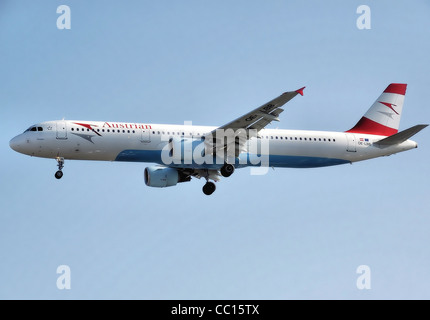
column 161, row 177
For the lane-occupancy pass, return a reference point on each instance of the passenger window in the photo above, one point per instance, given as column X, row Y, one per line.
column 73, row 129
column 103, row 130
column 276, row 137
column 295, row 138
column 334, row 140
column 134, row 131
column 128, row 131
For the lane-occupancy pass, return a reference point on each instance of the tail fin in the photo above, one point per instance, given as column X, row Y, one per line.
column 383, row 117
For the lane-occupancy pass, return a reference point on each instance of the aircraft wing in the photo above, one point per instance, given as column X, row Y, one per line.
column 260, row 117
column 257, row 119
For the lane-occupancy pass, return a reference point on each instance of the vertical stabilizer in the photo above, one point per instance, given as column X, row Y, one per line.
column 383, row 117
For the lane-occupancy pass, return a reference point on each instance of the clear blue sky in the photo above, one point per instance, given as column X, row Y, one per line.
column 289, row 234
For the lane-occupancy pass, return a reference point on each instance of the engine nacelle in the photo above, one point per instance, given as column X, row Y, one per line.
column 160, row 177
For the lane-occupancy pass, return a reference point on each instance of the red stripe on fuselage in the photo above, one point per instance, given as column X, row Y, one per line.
column 368, row 126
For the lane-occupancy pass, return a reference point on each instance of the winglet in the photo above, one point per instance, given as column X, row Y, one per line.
column 300, row 90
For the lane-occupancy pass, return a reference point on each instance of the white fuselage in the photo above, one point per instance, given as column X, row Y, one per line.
column 114, row 141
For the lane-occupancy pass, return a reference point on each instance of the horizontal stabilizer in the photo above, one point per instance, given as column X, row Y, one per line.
column 401, row 136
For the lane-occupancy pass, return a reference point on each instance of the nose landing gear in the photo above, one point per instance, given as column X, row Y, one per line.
column 59, row 173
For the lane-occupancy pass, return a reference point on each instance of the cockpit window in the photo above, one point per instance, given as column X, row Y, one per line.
column 34, row 129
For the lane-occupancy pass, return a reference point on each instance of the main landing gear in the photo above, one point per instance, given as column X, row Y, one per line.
column 59, row 173
column 226, row 171
column 209, row 188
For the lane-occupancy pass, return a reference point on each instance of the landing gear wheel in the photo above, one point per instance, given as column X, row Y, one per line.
column 227, row 170
column 60, row 164
column 59, row 174
column 209, row 188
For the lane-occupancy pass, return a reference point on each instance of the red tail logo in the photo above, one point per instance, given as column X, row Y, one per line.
column 389, row 105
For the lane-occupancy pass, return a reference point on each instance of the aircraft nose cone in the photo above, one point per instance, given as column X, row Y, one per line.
column 15, row 143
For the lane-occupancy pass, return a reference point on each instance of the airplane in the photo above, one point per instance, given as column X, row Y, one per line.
column 185, row 151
